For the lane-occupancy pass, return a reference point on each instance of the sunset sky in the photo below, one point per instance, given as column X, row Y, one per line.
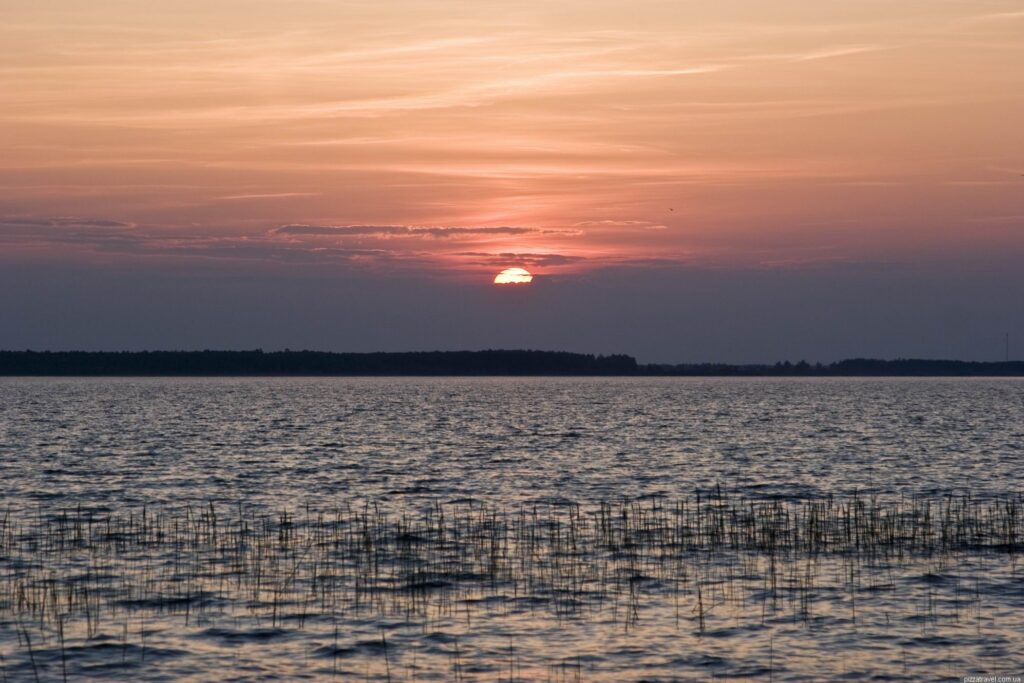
column 739, row 180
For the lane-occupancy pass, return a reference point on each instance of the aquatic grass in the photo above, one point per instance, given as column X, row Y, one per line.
column 68, row 576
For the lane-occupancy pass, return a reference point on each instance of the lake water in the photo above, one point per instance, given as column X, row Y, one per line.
column 491, row 529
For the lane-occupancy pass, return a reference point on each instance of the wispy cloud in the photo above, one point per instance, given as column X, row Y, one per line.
column 628, row 224
column 27, row 225
column 994, row 18
column 521, row 259
column 412, row 231
column 111, row 237
column 825, row 53
column 269, row 195
column 541, row 129
column 377, row 244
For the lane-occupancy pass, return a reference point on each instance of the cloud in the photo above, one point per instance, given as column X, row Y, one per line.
column 97, row 235
column 65, row 230
column 411, row 231
column 243, row 249
column 505, row 258
column 826, row 53
column 64, row 235
column 554, row 260
column 443, row 247
column 643, row 225
column 995, row 17
column 63, row 223
column 270, row 195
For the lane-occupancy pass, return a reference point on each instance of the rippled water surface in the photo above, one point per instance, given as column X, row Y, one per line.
column 525, row 529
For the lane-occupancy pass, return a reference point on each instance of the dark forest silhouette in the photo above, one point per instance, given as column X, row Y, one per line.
column 467, row 363
column 312, row 363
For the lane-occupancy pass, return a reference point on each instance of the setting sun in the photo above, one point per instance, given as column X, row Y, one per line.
column 513, row 276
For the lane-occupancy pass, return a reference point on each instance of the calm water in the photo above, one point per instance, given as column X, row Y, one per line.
column 252, row 447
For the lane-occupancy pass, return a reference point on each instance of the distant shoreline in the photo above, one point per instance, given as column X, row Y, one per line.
column 509, row 363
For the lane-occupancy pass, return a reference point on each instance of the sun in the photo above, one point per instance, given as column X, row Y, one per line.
column 513, row 276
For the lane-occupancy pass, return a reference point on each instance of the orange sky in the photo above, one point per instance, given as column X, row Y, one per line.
column 451, row 137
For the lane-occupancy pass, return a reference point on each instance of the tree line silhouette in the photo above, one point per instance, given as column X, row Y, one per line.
column 851, row 367
column 312, row 363
column 465, row 363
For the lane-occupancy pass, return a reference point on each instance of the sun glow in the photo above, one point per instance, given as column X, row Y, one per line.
column 513, row 276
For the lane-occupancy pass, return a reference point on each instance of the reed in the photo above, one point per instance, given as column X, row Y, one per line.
column 68, row 575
